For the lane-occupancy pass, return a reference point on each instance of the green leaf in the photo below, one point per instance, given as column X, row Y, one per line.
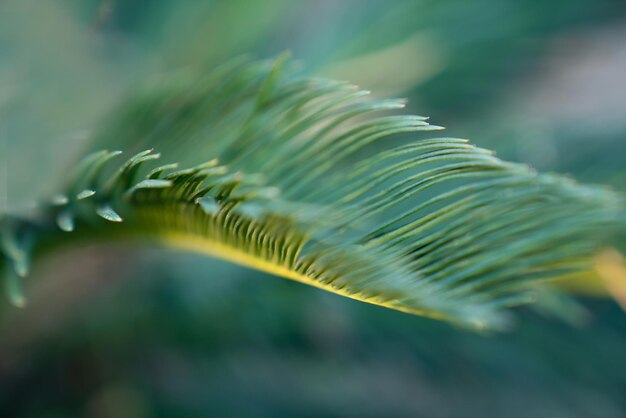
column 298, row 177
column 85, row 194
column 14, row 288
column 107, row 212
column 65, row 220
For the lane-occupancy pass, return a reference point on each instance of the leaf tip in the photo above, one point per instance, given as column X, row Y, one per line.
column 107, row 213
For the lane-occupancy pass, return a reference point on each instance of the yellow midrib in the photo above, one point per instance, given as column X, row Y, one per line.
column 209, row 247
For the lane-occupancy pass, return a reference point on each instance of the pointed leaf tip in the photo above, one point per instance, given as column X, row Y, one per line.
column 209, row 205
column 59, row 200
column 85, row 194
column 14, row 290
column 153, row 184
column 21, row 267
column 109, row 214
column 65, row 221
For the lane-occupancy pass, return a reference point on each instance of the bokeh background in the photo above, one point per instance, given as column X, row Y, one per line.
column 127, row 332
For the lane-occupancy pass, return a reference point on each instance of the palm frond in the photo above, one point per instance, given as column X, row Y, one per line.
column 290, row 175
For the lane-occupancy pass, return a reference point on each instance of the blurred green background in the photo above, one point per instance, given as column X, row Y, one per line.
column 118, row 332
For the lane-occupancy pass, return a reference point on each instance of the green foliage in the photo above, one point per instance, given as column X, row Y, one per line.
column 283, row 173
